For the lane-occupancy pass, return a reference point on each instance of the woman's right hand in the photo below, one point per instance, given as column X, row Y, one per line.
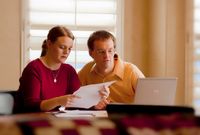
column 49, row 104
column 67, row 100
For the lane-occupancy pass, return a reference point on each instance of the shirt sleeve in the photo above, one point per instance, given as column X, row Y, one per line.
column 83, row 73
column 81, row 76
column 136, row 73
column 30, row 86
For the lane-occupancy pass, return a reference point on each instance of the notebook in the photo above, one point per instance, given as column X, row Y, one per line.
column 155, row 91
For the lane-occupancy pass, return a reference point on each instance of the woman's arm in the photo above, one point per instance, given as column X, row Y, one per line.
column 49, row 104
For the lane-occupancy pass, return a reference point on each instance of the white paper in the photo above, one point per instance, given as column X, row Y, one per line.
column 81, row 113
column 89, row 95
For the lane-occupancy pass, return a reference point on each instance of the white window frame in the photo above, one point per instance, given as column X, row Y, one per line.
column 190, row 83
column 24, row 31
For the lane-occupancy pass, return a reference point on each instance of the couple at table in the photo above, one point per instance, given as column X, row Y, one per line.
column 48, row 82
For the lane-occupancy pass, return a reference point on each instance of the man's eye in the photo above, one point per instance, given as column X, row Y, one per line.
column 110, row 51
column 100, row 51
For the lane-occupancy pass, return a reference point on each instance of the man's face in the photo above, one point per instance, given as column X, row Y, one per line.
column 103, row 53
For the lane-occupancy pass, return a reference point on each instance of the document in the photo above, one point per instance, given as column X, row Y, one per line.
column 82, row 114
column 89, row 95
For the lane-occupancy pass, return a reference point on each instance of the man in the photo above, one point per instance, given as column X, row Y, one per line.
column 107, row 66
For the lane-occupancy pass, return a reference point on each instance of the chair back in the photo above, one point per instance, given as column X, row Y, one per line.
column 6, row 103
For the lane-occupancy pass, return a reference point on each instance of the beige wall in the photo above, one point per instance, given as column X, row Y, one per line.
column 136, row 32
column 176, row 33
column 154, row 38
column 10, row 44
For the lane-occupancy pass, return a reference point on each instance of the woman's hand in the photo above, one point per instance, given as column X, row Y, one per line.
column 67, row 100
column 49, row 104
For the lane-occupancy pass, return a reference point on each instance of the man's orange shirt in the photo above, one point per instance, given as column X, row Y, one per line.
column 125, row 74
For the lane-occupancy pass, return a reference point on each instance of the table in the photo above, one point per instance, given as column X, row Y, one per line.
column 47, row 123
column 129, row 124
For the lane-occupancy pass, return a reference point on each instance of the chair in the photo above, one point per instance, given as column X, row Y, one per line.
column 6, row 103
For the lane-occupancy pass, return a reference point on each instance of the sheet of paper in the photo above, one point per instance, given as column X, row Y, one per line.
column 82, row 114
column 89, row 95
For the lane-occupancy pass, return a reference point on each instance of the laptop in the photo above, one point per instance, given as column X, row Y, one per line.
column 155, row 91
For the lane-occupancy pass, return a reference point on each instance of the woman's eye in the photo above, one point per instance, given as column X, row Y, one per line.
column 62, row 47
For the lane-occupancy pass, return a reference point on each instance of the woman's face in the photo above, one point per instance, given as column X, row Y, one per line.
column 60, row 49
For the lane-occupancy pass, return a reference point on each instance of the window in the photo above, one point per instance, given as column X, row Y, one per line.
column 81, row 16
column 196, row 55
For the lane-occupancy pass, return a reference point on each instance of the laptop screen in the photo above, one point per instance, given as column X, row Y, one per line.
column 155, row 91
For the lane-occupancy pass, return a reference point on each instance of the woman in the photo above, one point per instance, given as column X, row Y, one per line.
column 47, row 82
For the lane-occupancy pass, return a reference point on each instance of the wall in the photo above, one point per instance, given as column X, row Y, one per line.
column 176, row 34
column 167, row 52
column 136, row 33
column 155, row 39
column 10, row 44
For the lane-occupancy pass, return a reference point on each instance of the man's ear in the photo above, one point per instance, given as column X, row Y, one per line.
column 91, row 53
column 48, row 43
